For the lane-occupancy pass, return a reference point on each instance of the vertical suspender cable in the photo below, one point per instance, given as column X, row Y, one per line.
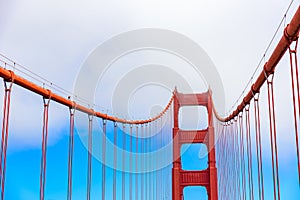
column 44, row 148
column 219, row 156
column 130, row 164
column 115, row 162
column 295, row 92
column 150, row 159
column 258, row 148
column 155, row 161
column 233, row 161
column 142, row 161
column 146, row 161
column 149, row 162
column 71, row 151
column 238, row 156
column 164, row 170
column 238, row 162
column 4, row 138
column 222, row 155
column 224, row 159
column 249, row 152
column 90, row 143
column 154, row 144
column 103, row 159
column 136, row 162
column 242, row 156
column 159, row 174
column 219, row 159
column 123, row 162
column 169, row 138
column 276, row 186
column 158, row 146
column 228, row 161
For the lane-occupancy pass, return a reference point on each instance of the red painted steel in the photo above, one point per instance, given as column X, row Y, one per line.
column 182, row 178
column 70, row 155
column 44, row 149
column 296, row 97
column 123, row 163
column 273, row 140
column 90, row 148
column 195, row 136
column 9, row 75
column 104, row 160
column 258, row 148
column 4, row 135
column 291, row 33
column 115, row 161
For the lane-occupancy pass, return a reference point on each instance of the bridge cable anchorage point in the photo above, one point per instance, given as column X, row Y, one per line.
column 289, row 37
column 12, row 76
column 103, row 158
column 240, row 114
column 235, row 118
column 245, row 103
column 294, row 50
column 295, row 95
column 73, row 107
column 5, row 133
column 247, row 106
column 46, row 100
column 90, row 152
column 255, row 93
column 71, row 152
column 268, row 74
column 91, row 116
column 256, row 96
column 10, row 80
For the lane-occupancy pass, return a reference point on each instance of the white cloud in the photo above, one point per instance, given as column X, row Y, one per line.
column 53, row 38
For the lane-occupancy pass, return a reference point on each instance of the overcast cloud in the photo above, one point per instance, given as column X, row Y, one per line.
column 53, row 39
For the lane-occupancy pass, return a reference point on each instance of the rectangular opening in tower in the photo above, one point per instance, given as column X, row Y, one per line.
column 193, row 118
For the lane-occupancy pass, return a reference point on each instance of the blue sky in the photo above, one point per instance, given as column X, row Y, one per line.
column 54, row 38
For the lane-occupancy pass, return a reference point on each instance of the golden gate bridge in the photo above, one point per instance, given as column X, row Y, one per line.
column 232, row 151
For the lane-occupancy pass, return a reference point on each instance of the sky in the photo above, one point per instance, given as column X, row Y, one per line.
column 55, row 39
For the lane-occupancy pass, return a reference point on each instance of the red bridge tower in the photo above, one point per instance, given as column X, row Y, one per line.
column 182, row 178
